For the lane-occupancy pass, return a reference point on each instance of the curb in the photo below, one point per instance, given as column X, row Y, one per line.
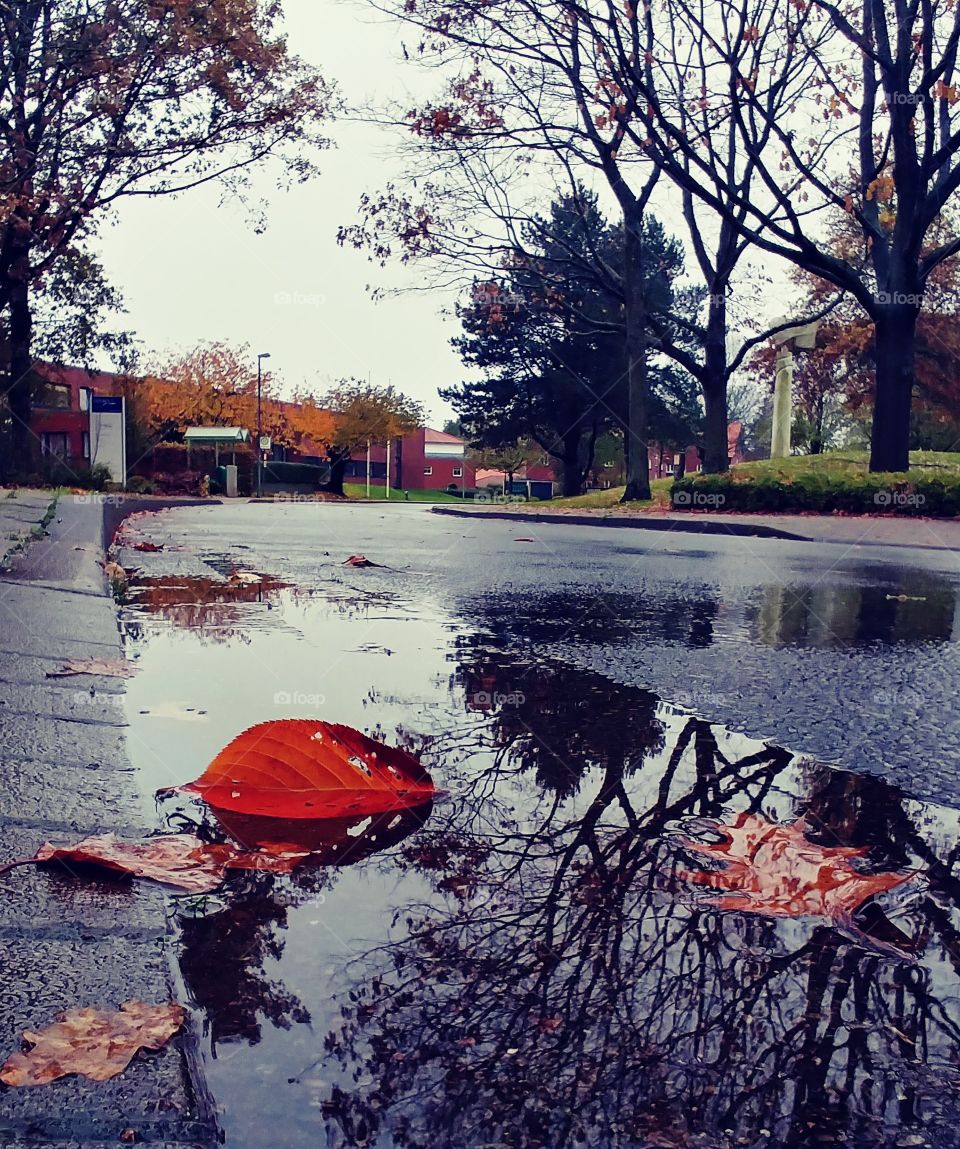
column 690, row 526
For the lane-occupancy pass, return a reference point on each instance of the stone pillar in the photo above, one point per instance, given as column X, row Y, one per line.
column 782, row 405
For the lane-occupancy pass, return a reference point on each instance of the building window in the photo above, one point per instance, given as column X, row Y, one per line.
column 458, row 472
column 53, row 395
column 86, row 444
column 85, row 394
column 55, row 443
column 428, row 470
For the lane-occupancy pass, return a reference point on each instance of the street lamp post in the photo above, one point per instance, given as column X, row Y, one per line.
column 260, row 359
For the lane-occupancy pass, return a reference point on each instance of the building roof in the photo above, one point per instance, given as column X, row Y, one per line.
column 216, row 435
column 432, row 436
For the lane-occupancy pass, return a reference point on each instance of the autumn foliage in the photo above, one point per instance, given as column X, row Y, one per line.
column 767, row 868
column 295, row 768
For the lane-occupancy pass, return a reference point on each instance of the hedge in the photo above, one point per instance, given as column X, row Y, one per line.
column 296, row 473
column 820, row 493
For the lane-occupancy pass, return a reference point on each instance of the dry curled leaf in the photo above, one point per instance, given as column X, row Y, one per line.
column 295, row 768
column 96, row 1043
column 108, row 667
column 179, row 860
column 776, row 870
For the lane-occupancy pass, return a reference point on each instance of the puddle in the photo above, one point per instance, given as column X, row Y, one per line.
column 532, row 962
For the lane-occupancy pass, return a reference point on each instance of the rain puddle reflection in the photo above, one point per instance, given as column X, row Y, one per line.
column 620, row 925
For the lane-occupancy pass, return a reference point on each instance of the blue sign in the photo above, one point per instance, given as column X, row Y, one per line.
column 105, row 403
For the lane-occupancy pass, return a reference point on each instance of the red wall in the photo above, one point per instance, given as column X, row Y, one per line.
column 411, row 452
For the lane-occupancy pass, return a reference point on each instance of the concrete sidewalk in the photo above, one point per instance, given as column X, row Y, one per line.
column 844, row 530
column 21, row 514
column 68, row 941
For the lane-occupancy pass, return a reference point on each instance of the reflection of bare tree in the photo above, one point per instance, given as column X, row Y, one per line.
column 224, row 953
column 223, row 958
column 561, row 990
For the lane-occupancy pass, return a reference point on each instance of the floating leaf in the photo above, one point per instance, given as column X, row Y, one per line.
column 776, row 870
column 295, row 768
column 108, row 667
column 179, row 860
column 97, row 1043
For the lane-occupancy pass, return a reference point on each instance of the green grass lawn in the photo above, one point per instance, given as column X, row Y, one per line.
column 928, row 463
column 359, row 491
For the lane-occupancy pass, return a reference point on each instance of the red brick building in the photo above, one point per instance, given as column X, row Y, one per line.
column 61, row 404
column 423, row 460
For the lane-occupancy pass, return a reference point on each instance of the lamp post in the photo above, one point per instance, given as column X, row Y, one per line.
column 260, row 359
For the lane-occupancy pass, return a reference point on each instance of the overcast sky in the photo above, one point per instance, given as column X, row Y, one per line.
column 193, row 270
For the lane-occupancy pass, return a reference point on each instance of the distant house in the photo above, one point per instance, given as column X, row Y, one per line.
column 422, row 460
column 534, row 481
column 665, row 463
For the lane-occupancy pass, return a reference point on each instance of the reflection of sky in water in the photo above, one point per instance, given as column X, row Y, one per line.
column 526, row 969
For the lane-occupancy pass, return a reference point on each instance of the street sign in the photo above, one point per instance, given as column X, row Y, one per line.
column 265, row 442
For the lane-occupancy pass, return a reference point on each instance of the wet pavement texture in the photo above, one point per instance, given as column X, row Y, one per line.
column 624, row 921
column 67, row 941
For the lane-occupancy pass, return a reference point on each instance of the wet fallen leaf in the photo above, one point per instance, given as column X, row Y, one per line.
column 96, row 1043
column 179, row 860
column 295, row 768
column 149, row 547
column 359, row 561
column 245, row 578
column 776, row 870
column 524, row 539
column 109, row 667
column 115, row 572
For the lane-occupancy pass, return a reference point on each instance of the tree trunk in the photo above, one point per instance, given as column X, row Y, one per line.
column 338, row 466
column 635, row 318
column 716, row 457
column 572, row 478
column 895, row 337
column 20, row 379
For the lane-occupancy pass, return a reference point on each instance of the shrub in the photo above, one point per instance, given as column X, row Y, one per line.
column 820, row 493
column 296, row 473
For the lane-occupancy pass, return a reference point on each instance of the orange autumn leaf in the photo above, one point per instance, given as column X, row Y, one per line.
column 179, row 860
column 776, row 870
column 96, row 1043
column 359, row 561
column 108, row 667
column 296, row 768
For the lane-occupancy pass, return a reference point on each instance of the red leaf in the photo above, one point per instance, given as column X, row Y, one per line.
column 359, row 561
column 776, row 870
column 179, row 860
column 295, row 768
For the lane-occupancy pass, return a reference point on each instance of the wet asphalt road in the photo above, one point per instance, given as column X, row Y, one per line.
column 848, row 654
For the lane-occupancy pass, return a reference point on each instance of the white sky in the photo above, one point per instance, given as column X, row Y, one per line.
column 193, row 270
